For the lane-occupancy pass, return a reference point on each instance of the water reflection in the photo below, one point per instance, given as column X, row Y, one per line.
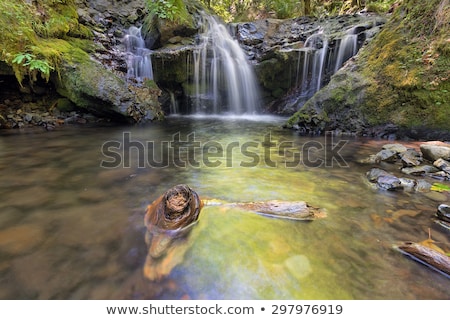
column 70, row 229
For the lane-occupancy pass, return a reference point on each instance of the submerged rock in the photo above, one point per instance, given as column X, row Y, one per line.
column 374, row 173
column 389, row 182
column 411, row 158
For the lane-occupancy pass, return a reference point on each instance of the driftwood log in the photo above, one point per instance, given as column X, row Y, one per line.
column 169, row 220
column 430, row 257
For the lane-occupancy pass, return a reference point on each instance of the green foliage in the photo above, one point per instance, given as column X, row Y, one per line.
column 440, row 187
column 171, row 10
column 32, row 66
column 241, row 10
column 30, row 32
column 409, row 68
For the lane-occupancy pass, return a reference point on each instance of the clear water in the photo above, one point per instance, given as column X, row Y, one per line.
column 71, row 229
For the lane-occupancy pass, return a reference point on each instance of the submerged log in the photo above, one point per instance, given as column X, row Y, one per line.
column 291, row 210
column 169, row 220
column 430, row 257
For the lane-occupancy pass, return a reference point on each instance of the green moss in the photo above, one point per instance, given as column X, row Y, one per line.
column 408, row 65
column 43, row 30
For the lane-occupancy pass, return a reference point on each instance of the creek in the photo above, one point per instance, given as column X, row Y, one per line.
column 72, row 204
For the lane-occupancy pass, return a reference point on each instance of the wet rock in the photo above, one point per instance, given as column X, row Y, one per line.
column 372, row 159
column 435, row 150
column 395, row 147
column 422, row 186
column 249, row 34
column 389, row 182
column 439, row 175
column 442, row 164
column 387, row 155
column 374, row 173
column 419, row 170
column 411, row 158
column 443, row 212
column 408, row 184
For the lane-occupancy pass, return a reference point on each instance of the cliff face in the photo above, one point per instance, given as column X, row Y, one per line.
column 71, row 49
column 398, row 84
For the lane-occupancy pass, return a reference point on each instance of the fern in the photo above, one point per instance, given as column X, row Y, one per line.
column 32, row 65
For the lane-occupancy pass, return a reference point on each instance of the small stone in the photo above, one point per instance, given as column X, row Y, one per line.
column 419, row 170
column 411, row 158
column 408, row 184
column 374, row 173
column 422, row 186
column 439, row 175
column 387, row 155
column 442, row 164
column 28, row 117
column 389, row 182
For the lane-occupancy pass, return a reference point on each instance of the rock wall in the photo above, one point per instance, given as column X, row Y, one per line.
column 274, row 47
column 91, row 74
column 396, row 87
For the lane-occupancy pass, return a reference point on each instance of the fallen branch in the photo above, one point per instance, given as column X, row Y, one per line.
column 427, row 253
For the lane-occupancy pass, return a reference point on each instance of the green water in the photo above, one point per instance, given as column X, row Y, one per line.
column 72, row 229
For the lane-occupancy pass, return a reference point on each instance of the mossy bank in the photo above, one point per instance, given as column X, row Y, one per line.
column 398, row 85
column 68, row 48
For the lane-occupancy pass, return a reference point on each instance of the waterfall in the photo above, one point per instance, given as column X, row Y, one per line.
column 319, row 42
column 139, row 63
column 348, row 47
column 223, row 80
column 318, row 61
column 174, row 108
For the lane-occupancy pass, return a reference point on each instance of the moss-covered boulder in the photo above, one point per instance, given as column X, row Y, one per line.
column 333, row 108
column 89, row 85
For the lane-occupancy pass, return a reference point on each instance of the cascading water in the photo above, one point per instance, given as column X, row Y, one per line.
column 223, row 80
column 320, row 43
column 139, row 63
column 348, row 47
column 318, row 61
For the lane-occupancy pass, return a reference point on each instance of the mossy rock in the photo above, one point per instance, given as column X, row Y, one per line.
column 92, row 87
column 401, row 77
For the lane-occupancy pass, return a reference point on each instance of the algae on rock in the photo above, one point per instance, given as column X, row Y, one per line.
column 401, row 78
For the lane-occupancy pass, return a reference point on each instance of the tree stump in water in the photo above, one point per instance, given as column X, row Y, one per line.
column 170, row 218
